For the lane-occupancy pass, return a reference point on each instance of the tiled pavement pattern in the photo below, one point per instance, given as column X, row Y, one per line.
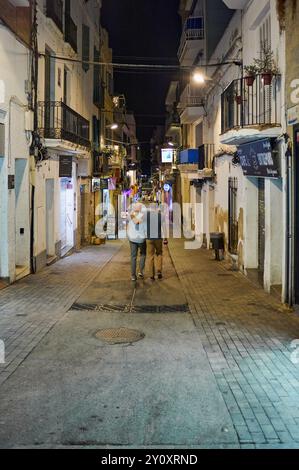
column 28, row 309
column 246, row 335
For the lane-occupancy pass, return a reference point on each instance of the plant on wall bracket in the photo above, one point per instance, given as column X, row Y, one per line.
column 266, row 65
column 250, row 73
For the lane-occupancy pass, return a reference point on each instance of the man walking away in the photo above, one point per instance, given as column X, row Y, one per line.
column 137, row 238
column 155, row 244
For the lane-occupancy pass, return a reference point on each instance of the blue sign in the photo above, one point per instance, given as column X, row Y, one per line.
column 167, row 187
column 259, row 159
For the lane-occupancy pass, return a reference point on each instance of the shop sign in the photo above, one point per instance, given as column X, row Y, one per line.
column 166, row 187
column 65, row 166
column 259, row 159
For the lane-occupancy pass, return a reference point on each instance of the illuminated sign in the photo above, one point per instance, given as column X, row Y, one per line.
column 259, row 159
column 167, row 155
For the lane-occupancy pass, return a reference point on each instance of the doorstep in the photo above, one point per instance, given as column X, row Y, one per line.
column 22, row 271
column 51, row 260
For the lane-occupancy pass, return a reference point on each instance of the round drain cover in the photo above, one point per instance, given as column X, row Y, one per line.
column 119, row 335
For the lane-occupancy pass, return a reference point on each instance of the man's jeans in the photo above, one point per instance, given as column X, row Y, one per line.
column 155, row 248
column 134, row 253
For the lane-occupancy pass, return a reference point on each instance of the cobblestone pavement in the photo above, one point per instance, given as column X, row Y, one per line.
column 247, row 337
column 32, row 306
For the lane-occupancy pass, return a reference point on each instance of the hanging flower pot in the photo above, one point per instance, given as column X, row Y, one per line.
column 250, row 80
column 238, row 99
column 267, row 78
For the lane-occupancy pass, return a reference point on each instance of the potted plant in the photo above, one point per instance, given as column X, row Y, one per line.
column 250, row 74
column 266, row 65
column 238, row 98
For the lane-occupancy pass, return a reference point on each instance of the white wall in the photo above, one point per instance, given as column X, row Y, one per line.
column 14, row 248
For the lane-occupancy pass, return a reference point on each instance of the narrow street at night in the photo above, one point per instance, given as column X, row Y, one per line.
column 212, row 368
column 149, row 232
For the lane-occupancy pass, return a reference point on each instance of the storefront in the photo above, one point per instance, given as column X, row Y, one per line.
column 67, row 204
column 261, row 165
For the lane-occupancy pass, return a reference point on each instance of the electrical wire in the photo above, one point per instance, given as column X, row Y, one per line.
column 137, row 66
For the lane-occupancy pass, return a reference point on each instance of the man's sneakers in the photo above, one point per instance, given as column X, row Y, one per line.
column 140, row 276
column 133, row 278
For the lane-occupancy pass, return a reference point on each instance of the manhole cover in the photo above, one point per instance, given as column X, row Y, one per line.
column 119, row 335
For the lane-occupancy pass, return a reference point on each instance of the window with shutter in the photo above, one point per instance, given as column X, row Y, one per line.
column 85, row 47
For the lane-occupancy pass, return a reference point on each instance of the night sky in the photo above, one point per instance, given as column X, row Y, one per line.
column 143, row 31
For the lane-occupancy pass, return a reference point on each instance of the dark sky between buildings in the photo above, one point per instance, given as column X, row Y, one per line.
column 143, row 31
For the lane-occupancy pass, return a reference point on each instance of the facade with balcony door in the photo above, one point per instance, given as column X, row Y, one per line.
column 203, row 24
column 70, row 98
column 15, row 138
column 246, row 125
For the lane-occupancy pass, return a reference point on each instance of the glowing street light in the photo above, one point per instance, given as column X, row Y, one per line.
column 198, row 77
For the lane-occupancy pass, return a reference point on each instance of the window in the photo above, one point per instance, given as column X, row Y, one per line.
column 85, row 47
column 265, row 34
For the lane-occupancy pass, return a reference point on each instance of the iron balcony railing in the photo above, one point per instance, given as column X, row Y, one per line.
column 54, row 10
column 71, row 32
column 191, row 96
column 193, row 30
column 206, row 156
column 59, row 121
column 249, row 104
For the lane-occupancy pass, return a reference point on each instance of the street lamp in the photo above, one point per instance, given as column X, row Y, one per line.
column 113, row 127
column 198, row 77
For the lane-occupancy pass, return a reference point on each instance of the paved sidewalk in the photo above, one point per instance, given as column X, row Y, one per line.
column 32, row 306
column 247, row 337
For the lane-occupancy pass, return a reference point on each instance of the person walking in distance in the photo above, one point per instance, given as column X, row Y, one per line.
column 155, row 243
column 137, row 238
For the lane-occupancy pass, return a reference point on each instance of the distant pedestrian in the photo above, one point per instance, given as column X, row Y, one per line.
column 155, row 242
column 137, row 238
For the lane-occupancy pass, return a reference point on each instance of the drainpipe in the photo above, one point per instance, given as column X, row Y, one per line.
column 34, row 103
column 289, row 232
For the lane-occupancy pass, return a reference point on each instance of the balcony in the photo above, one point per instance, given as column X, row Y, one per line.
column 54, row 10
column 251, row 112
column 236, row 4
column 191, row 105
column 206, row 155
column 192, row 41
column 172, row 121
column 189, row 156
column 58, row 122
column 70, row 34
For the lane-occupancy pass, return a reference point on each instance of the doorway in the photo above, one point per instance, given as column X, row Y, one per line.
column 49, row 90
column 233, row 228
column 66, row 215
column 296, row 213
column 261, row 227
column 22, row 250
column 50, row 241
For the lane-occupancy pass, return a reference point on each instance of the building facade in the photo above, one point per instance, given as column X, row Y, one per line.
column 288, row 12
column 16, row 125
column 236, row 131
